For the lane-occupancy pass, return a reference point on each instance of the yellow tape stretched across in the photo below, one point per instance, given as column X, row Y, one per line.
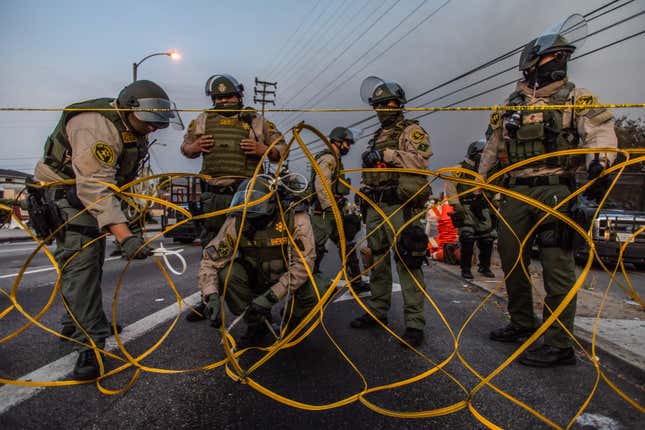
column 242, row 371
column 346, row 110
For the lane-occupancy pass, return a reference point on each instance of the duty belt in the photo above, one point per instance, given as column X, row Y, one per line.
column 383, row 195
column 228, row 189
column 537, row 181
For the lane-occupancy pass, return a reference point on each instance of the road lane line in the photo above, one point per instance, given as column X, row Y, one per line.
column 48, row 268
column 348, row 295
column 12, row 395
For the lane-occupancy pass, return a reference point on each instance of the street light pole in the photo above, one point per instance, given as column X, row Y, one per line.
column 172, row 54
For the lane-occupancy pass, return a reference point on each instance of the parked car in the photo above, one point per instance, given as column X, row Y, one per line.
column 622, row 214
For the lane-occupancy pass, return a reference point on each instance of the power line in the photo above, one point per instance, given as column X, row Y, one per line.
column 314, row 35
column 333, row 34
column 348, row 47
column 511, row 81
column 283, row 49
column 427, row 17
column 501, row 58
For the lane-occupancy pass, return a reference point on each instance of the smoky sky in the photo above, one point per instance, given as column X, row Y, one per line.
column 59, row 54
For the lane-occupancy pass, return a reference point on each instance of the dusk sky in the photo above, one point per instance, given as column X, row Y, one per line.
column 57, row 53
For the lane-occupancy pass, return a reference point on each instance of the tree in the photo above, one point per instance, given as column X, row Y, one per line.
column 631, row 135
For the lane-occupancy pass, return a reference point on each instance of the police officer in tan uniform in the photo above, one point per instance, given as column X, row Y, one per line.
column 399, row 143
column 520, row 135
column 322, row 218
column 231, row 144
column 266, row 267
column 90, row 145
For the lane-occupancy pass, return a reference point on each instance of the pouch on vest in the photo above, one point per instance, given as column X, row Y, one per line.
column 409, row 185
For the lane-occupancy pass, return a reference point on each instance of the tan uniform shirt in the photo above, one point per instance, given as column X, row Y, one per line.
column 451, row 187
column 85, row 131
column 292, row 279
column 327, row 163
column 595, row 128
column 414, row 148
column 265, row 131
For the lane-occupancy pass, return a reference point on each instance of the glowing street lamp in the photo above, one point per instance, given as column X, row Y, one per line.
column 174, row 55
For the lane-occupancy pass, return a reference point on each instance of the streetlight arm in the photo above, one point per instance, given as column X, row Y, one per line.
column 136, row 65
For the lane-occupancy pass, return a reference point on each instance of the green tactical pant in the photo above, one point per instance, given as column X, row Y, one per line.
column 210, row 226
column 324, row 226
column 557, row 263
column 243, row 287
column 381, row 275
column 475, row 228
column 81, row 276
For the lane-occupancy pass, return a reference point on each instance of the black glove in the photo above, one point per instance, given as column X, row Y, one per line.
column 131, row 245
column 597, row 191
column 458, row 219
column 372, row 158
column 260, row 307
column 477, row 207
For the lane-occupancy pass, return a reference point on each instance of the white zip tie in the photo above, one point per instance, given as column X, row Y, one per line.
column 165, row 252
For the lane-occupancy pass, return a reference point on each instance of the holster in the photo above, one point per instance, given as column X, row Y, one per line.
column 44, row 216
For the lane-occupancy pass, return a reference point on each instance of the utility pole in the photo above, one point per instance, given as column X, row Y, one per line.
column 263, row 93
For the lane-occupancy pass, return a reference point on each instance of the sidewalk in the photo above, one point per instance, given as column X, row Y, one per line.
column 621, row 328
column 19, row 235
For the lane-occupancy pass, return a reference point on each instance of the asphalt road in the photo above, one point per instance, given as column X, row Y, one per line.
column 311, row 372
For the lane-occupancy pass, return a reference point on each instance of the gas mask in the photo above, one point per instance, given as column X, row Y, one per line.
column 554, row 70
column 389, row 118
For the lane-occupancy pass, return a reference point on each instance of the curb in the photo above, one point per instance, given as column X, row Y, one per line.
column 615, row 356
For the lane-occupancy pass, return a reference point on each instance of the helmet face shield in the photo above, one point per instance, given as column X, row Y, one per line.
column 569, row 34
column 167, row 113
column 244, row 195
column 375, row 90
column 223, row 84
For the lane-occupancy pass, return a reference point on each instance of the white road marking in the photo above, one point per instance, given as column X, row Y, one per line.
column 48, row 268
column 348, row 296
column 12, row 395
column 597, row 421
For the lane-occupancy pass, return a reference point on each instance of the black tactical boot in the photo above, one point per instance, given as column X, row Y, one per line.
column 466, row 274
column 69, row 329
column 548, row 356
column 366, row 321
column 485, row 271
column 86, row 367
column 511, row 333
column 193, row 315
column 361, row 286
column 413, row 336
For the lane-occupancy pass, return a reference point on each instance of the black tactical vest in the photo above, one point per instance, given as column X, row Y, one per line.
column 58, row 151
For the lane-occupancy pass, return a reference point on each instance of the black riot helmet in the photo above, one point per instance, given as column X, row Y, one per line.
column 223, row 85
column 532, row 52
column 375, row 91
column 261, row 188
column 475, row 149
column 341, row 134
column 150, row 97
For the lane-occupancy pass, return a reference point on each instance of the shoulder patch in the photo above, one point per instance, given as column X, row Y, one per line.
column 417, row 135
column 495, row 119
column 104, row 153
column 270, row 125
column 583, row 103
column 191, row 125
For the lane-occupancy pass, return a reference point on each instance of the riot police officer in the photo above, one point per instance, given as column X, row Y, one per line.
column 266, row 267
column 399, row 143
column 90, row 145
column 518, row 136
column 322, row 218
column 231, row 144
column 473, row 226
